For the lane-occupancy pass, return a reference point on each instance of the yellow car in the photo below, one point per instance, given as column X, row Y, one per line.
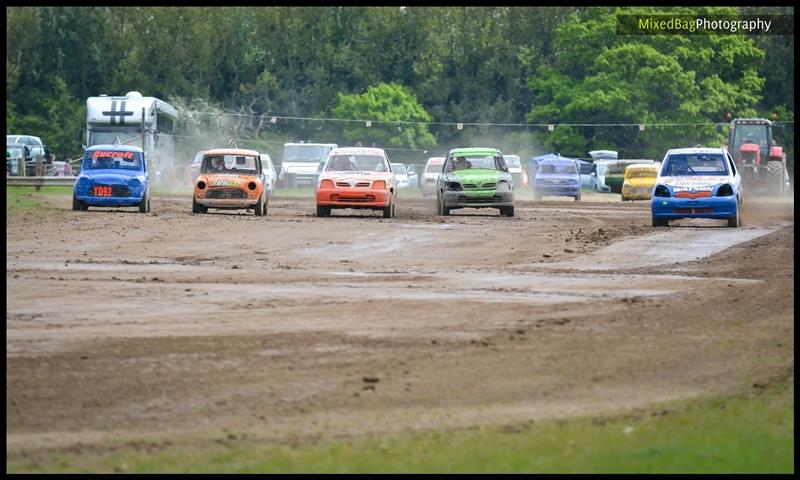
column 640, row 178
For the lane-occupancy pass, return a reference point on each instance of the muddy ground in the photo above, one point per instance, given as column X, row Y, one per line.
column 173, row 328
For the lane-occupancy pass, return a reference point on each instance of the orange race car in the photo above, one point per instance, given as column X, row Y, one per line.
column 356, row 177
column 230, row 178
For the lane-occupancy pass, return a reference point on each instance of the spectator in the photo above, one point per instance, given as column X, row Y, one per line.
column 67, row 167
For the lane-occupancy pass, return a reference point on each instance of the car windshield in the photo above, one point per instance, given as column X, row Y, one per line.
column 305, row 153
column 641, row 174
column 356, row 163
column 512, row 161
column 112, row 160
column 399, row 169
column 238, row 164
column 465, row 162
column 695, row 164
column 551, row 168
column 434, row 166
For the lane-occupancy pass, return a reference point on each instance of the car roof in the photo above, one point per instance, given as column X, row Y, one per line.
column 115, row 148
column 695, row 150
column 436, row 159
column 230, row 151
column 643, row 166
column 474, row 151
column 357, row 151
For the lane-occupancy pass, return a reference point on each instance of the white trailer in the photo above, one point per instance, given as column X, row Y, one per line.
column 146, row 122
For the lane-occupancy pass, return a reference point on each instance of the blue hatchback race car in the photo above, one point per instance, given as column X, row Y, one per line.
column 112, row 176
column 697, row 183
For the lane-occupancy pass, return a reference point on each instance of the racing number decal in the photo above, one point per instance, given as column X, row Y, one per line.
column 102, row 191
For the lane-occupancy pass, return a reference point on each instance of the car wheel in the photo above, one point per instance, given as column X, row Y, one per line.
column 660, row 222
column 76, row 204
column 259, row 208
column 144, row 205
column 388, row 210
column 197, row 208
column 323, row 211
column 578, row 197
column 734, row 221
column 442, row 209
column 507, row 211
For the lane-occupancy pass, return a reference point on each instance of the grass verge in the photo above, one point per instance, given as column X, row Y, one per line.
column 751, row 432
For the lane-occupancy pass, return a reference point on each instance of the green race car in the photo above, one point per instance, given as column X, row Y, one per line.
column 475, row 178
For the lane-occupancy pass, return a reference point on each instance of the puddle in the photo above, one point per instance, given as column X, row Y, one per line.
column 674, row 246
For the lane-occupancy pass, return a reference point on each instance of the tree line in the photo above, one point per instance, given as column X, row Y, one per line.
column 428, row 67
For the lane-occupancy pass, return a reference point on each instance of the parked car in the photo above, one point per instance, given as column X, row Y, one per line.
column 516, row 170
column 29, row 147
column 400, row 173
column 413, row 178
column 231, row 178
column 475, row 178
column 640, row 178
column 320, row 166
column 112, row 176
column 269, row 173
column 697, row 183
column 357, row 177
column 557, row 177
column 432, row 170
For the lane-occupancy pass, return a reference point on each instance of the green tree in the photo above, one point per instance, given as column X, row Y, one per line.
column 670, row 79
column 385, row 102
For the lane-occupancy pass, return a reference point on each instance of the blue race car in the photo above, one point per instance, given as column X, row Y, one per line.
column 697, row 183
column 557, row 177
column 112, row 176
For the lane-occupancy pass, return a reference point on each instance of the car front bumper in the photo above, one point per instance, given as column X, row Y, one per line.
column 557, row 190
column 461, row 199
column 353, row 198
column 109, row 201
column 713, row 207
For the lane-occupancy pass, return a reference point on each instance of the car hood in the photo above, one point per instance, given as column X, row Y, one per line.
column 226, row 179
column 641, row 182
column 112, row 176
column 694, row 183
column 477, row 175
column 557, row 176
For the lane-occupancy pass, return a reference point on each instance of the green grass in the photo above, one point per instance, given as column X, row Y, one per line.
column 27, row 199
column 745, row 433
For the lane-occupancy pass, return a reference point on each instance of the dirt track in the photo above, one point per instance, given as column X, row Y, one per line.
column 174, row 327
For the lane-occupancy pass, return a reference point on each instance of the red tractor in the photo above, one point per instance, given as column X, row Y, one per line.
column 762, row 164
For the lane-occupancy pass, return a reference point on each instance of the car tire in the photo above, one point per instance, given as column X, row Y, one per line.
column 323, row 211
column 442, row 209
column 144, row 205
column 507, row 211
column 660, row 222
column 388, row 210
column 197, row 208
column 259, row 207
column 578, row 197
column 734, row 221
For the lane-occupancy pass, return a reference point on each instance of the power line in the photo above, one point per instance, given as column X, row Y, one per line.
column 368, row 122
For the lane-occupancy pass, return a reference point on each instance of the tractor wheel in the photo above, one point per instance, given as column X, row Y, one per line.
column 775, row 177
